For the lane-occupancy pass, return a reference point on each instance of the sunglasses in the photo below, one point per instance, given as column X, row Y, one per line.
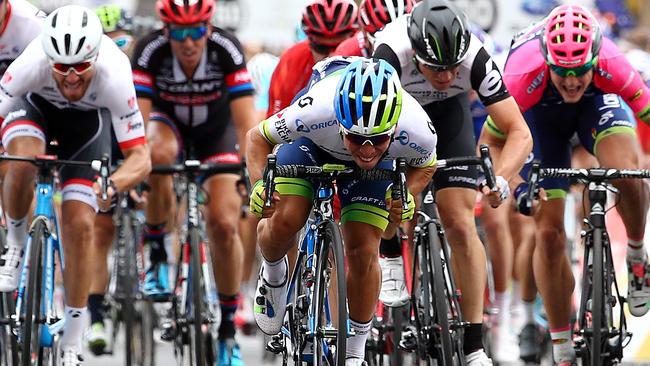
column 65, row 69
column 180, row 34
column 438, row 68
column 362, row 140
column 574, row 71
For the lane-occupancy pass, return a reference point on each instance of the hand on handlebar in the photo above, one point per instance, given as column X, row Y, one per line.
column 396, row 212
column 498, row 196
column 525, row 206
column 258, row 197
column 104, row 205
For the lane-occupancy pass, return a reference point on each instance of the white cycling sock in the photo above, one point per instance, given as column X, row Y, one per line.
column 75, row 322
column 275, row 273
column 529, row 311
column 502, row 304
column 356, row 344
column 635, row 250
column 16, row 231
column 562, row 345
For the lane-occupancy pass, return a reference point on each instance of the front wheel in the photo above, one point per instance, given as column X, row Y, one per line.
column 31, row 323
column 197, row 338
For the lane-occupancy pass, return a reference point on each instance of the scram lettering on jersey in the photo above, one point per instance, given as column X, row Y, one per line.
column 226, row 43
column 605, row 117
column 492, row 81
column 611, row 102
column 149, row 49
column 133, row 126
column 404, row 139
column 15, row 114
column 536, row 83
column 282, row 128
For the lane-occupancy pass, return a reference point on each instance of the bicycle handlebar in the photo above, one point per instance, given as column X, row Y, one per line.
column 484, row 160
column 195, row 166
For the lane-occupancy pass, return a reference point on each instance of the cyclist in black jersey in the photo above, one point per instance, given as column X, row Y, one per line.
column 196, row 94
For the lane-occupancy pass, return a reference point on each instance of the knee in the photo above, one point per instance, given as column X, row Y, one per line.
column 163, row 152
column 552, row 241
column 361, row 260
column 222, row 228
column 278, row 230
column 462, row 236
column 80, row 227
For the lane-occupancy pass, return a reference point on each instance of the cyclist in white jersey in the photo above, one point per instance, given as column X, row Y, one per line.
column 71, row 84
column 324, row 126
column 439, row 62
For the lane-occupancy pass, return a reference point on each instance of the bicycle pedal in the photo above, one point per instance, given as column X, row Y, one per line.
column 275, row 346
column 168, row 333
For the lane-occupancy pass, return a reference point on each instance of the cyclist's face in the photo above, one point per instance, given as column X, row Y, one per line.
column 188, row 51
column 366, row 156
column 572, row 88
column 73, row 86
column 441, row 80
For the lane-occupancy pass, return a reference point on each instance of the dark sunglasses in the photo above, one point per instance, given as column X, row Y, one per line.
column 66, row 69
column 362, row 140
column 180, row 34
column 574, row 71
column 419, row 61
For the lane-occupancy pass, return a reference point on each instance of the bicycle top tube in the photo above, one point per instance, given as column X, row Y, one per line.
column 196, row 167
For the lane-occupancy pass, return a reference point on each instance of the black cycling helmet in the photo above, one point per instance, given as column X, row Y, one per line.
column 439, row 34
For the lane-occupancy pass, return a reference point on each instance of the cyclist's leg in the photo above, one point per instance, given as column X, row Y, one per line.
column 78, row 210
column 363, row 219
column 102, row 240
column 615, row 145
column 277, row 234
column 165, row 143
column 456, row 195
column 25, row 135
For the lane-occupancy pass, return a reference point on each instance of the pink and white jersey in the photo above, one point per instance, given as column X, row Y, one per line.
column 111, row 88
column 526, row 75
column 22, row 23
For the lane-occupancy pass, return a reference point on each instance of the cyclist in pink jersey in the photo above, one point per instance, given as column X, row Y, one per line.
column 569, row 79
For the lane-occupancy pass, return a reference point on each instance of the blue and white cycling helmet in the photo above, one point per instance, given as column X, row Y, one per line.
column 368, row 98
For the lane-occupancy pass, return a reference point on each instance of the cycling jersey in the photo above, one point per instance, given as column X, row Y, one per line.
column 527, row 76
column 313, row 116
column 290, row 76
column 220, row 77
column 640, row 60
column 353, row 46
column 476, row 72
column 261, row 67
column 22, row 23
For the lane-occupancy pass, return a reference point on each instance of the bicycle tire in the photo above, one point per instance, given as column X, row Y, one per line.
column 597, row 303
column 8, row 340
column 440, row 295
column 196, row 330
column 331, row 241
column 31, row 332
column 126, row 281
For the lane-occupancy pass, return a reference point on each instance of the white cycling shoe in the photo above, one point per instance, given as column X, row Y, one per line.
column 70, row 356
column 393, row 286
column 638, row 289
column 355, row 362
column 270, row 304
column 478, row 358
column 10, row 265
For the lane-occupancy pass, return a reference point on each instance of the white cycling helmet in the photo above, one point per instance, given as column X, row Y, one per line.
column 72, row 34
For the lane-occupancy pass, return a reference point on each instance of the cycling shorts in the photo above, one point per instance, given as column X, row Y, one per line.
column 553, row 128
column 453, row 123
column 361, row 201
column 81, row 135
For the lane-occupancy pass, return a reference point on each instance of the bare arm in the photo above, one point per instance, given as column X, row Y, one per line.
column 145, row 105
column 136, row 167
column 243, row 116
column 257, row 148
column 518, row 142
column 418, row 178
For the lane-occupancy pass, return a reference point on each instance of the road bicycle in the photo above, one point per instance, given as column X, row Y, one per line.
column 603, row 332
column 195, row 313
column 37, row 321
column 437, row 327
column 316, row 319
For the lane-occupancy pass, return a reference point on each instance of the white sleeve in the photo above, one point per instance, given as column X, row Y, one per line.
column 25, row 74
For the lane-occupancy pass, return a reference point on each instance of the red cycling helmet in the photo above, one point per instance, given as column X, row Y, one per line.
column 329, row 18
column 185, row 11
column 375, row 14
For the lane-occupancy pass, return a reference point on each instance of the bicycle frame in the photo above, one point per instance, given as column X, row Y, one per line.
column 309, row 248
column 46, row 212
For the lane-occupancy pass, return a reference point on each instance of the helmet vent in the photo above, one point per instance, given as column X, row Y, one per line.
column 54, row 18
column 81, row 43
column 66, row 40
column 56, row 46
column 84, row 20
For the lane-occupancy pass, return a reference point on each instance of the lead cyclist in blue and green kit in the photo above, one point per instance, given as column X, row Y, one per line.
column 349, row 116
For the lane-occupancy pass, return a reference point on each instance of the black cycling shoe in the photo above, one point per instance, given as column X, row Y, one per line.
column 530, row 344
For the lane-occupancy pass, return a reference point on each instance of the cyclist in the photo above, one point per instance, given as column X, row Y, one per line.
column 373, row 16
column 569, row 79
column 351, row 116
column 68, row 84
column 439, row 62
column 116, row 24
column 326, row 23
column 196, row 94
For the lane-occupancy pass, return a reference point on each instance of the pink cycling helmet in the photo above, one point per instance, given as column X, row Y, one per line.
column 375, row 14
column 329, row 18
column 572, row 37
